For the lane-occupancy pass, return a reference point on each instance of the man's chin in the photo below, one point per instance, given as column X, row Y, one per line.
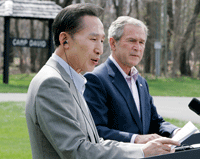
column 89, row 69
column 135, row 63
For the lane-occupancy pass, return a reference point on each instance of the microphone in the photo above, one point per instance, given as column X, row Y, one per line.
column 194, row 105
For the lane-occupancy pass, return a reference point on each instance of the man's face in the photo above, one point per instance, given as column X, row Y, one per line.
column 87, row 45
column 128, row 51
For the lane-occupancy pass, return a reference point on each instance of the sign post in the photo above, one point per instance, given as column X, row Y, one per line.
column 157, row 47
column 7, row 50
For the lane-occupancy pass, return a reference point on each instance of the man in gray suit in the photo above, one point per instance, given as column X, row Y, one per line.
column 59, row 122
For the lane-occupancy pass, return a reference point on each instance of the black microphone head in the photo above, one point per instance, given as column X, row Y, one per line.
column 194, row 105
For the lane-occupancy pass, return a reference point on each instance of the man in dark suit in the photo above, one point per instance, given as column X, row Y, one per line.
column 118, row 97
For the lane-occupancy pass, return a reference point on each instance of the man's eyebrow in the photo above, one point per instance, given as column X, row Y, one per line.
column 96, row 34
column 130, row 38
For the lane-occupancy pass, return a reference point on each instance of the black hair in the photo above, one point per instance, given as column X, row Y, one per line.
column 69, row 19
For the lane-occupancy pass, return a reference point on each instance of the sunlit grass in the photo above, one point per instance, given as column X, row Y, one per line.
column 18, row 83
column 180, row 123
column 183, row 86
column 14, row 140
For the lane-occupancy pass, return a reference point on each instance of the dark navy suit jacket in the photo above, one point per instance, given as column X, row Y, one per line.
column 113, row 107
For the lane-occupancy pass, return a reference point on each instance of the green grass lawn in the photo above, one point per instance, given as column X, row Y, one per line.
column 14, row 139
column 17, row 83
column 183, row 86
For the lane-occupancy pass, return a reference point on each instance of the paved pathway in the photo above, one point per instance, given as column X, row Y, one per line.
column 12, row 97
column 171, row 107
column 176, row 107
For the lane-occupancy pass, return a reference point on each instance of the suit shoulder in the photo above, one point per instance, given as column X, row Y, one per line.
column 46, row 73
column 99, row 71
column 140, row 78
column 45, row 76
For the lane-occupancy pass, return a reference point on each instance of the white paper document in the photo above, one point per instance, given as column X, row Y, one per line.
column 184, row 133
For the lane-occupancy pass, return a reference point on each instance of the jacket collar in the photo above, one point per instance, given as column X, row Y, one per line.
column 79, row 99
column 120, row 83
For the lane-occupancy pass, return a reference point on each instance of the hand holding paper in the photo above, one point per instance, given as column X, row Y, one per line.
column 184, row 133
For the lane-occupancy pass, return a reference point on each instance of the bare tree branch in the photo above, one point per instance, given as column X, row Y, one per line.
column 190, row 28
column 137, row 9
column 130, row 7
column 114, row 2
column 170, row 14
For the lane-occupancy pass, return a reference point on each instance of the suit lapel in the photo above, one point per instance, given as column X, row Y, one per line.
column 143, row 108
column 82, row 104
column 80, row 101
column 120, row 83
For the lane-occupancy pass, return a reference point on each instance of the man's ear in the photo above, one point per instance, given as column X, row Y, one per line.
column 112, row 42
column 63, row 37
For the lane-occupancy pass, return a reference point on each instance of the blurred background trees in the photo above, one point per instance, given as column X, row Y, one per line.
column 175, row 24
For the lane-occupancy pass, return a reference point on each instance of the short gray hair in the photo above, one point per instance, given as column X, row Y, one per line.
column 116, row 28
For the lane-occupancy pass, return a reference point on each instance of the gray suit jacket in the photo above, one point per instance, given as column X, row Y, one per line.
column 60, row 124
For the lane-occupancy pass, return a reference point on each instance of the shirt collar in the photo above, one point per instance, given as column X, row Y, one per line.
column 78, row 79
column 134, row 72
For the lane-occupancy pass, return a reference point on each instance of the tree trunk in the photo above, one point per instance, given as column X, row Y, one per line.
column 190, row 51
column 169, row 31
column 137, row 9
column 130, row 8
column 170, row 14
column 118, row 4
column 153, row 22
column 183, row 53
column 148, row 47
column 43, row 51
column 171, row 27
column 33, row 51
column 176, row 35
column 147, row 57
column 103, row 5
column 171, row 23
column 22, row 65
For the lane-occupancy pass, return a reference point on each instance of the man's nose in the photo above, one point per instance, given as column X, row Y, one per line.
column 137, row 46
column 99, row 49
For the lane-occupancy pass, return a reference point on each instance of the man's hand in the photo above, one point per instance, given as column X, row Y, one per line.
column 143, row 139
column 159, row 146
